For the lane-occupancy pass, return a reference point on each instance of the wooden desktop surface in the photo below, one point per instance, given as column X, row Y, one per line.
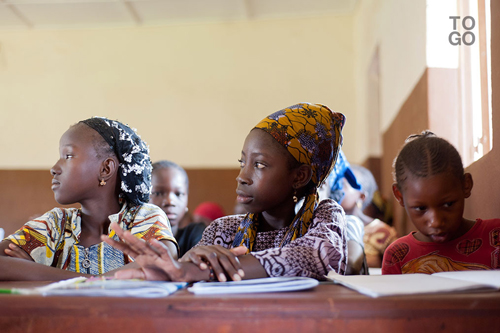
column 327, row 308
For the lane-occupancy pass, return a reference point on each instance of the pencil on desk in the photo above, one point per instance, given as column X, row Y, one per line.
column 9, row 291
column 41, row 290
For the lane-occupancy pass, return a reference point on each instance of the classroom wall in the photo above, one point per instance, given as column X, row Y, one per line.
column 391, row 79
column 192, row 91
column 25, row 194
column 396, row 29
column 411, row 118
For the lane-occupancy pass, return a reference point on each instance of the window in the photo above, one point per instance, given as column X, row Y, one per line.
column 475, row 79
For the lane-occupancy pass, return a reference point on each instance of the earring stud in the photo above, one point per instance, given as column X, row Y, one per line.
column 102, row 182
column 295, row 199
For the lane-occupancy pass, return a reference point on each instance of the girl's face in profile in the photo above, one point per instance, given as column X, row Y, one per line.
column 435, row 205
column 76, row 173
column 265, row 181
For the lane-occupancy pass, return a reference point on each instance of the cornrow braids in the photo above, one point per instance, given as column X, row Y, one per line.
column 425, row 155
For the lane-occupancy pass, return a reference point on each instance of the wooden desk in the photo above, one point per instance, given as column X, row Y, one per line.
column 327, row 308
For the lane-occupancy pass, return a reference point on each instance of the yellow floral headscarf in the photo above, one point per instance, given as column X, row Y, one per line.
column 312, row 134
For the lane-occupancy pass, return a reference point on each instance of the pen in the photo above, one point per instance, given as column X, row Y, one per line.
column 42, row 290
column 9, row 291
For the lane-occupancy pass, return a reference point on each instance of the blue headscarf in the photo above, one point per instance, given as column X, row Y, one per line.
column 341, row 170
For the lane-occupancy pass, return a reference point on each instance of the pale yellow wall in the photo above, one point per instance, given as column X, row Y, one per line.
column 193, row 92
column 398, row 29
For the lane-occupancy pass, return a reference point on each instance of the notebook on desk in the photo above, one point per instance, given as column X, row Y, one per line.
column 412, row 284
column 108, row 287
column 263, row 285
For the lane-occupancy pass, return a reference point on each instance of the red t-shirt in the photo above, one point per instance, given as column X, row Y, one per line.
column 478, row 249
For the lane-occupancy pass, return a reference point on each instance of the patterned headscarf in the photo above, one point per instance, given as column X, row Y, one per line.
column 312, row 134
column 132, row 153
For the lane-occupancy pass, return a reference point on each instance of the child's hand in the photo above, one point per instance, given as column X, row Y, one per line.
column 155, row 259
column 15, row 251
column 222, row 260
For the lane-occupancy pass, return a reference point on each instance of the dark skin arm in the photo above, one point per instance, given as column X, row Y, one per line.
column 15, row 251
column 15, row 263
column 157, row 263
column 16, row 269
column 374, row 260
column 354, row 258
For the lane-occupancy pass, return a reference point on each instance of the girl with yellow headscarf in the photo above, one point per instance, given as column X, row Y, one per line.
column 286, row 157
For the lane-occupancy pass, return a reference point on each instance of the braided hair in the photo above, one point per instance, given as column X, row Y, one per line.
column 425, row 155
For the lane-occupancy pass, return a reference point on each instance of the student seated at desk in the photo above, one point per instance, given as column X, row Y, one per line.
column 285, row 157
column 170, row 192
column 104, row 166
column 431, row 185
column 377, row 234
column 333, row 189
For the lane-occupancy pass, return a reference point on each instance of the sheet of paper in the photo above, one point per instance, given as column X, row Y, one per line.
column 404, row 284
column 490, row 278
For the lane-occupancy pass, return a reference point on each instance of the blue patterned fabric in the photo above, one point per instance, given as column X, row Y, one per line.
column 341, row 170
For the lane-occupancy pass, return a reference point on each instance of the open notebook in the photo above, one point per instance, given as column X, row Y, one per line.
column 81, row 286
column 263, row 285
column 409, row 284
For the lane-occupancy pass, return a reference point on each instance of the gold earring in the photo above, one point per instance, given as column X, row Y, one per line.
column 295, row 199
column 102, row 182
